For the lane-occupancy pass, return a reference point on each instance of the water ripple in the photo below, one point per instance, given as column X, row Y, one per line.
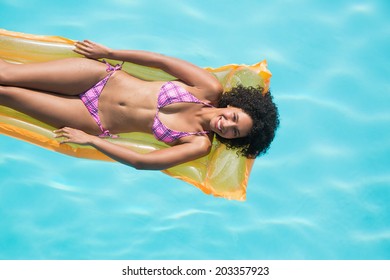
column 190, row 212
column 62, row 187
column 378, row 236
column 361, row 182
column 290, row 222
column 361, row 9
column 342, row 109
column 191, row 11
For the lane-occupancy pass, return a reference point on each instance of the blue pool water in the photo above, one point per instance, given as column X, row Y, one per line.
column 322, row 191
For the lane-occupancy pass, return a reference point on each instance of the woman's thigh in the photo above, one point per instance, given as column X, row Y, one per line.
column 70, row 76
column 55, row 110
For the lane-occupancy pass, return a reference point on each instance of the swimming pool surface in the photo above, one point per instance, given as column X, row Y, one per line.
column 321, row 192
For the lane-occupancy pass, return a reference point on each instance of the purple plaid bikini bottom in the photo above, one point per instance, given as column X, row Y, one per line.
column 90, row 98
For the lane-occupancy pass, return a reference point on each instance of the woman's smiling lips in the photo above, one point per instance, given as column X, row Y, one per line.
column 218, row 124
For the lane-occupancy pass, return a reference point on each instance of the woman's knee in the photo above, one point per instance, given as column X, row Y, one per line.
column 4, row 72
column 3, row 94
column 3, row 90
column 7, row 96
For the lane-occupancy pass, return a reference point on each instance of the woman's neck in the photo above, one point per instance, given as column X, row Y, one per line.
column 205, row 116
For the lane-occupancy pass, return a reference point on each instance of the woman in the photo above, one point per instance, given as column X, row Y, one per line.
column 84, row 97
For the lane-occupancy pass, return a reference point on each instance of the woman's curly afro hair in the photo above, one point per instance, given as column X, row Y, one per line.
column 264, row 113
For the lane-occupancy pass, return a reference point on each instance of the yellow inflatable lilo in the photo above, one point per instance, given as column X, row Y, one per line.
column 221, row 173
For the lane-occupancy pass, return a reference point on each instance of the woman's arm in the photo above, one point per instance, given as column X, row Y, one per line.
column 156, row 160
column 185, row 71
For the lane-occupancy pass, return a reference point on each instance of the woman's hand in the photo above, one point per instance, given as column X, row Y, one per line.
column 91, row 49
column 72, row 135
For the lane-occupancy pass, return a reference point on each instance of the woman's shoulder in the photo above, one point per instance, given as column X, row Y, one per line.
column 202, row 143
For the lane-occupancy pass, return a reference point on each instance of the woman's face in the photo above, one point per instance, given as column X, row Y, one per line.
column 232, row 122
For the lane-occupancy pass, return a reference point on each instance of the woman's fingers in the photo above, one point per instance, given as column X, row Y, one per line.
column 62, row 133
column 84, row 48
column 91, row 49
column 72, row 135
column 88, row 42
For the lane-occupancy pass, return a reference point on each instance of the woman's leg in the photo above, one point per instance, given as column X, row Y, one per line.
column 55, row 110
column 70, row 76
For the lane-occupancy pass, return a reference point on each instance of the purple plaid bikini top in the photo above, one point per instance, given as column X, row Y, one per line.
column 171, row 93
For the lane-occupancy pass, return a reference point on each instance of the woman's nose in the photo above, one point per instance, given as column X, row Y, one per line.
column 229, row 122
